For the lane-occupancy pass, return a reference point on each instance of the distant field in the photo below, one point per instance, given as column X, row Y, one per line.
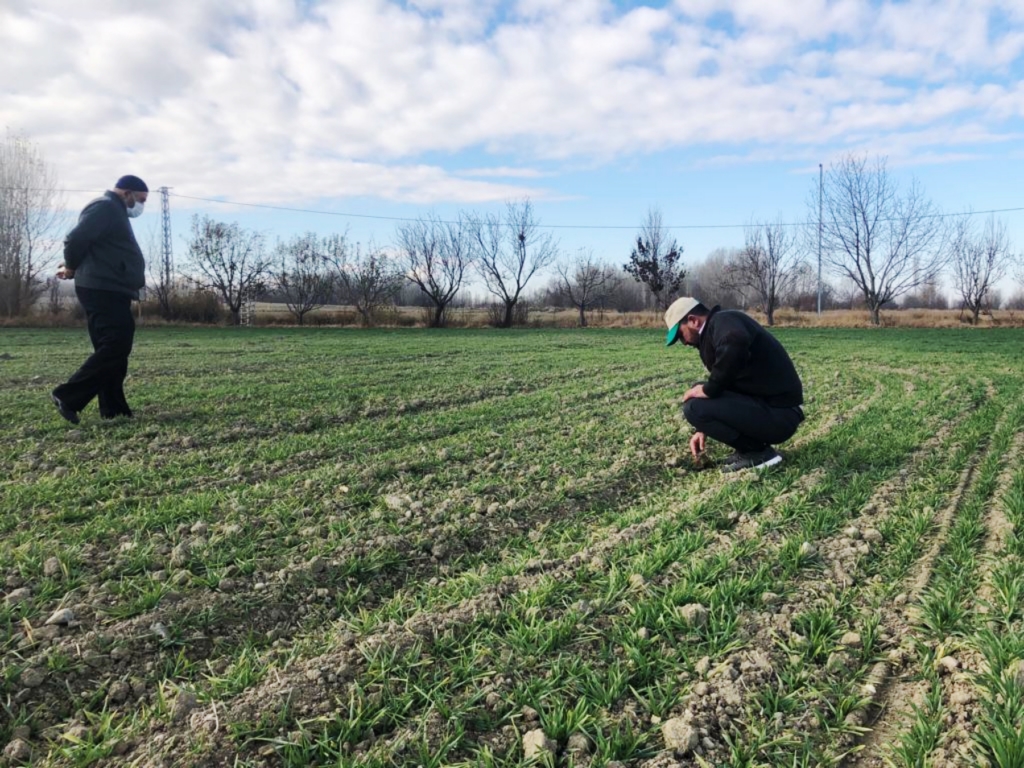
column 549, row 317
column 485, row 548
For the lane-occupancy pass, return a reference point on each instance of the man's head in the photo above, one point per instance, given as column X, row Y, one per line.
column 685, row 317
column 134, row 192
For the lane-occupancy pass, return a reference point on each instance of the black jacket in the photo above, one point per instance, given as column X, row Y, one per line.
column 743, row 357
column 102, row 248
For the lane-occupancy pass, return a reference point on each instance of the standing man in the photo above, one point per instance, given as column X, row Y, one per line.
column 752, row 399
column 108, row 268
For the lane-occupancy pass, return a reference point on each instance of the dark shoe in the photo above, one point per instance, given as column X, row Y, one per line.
column 763, row 459
column 63, row 410
column 732, row 458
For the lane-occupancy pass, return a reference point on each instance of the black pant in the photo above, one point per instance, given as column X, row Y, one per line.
column 742, row 422
column 112, row 331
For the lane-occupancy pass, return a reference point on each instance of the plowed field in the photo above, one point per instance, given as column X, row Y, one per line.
column 407, row 548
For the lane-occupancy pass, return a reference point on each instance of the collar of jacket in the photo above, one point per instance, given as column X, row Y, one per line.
column 114, row 196
column 714, row 311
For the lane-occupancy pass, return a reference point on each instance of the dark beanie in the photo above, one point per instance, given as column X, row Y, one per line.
column 132, row 184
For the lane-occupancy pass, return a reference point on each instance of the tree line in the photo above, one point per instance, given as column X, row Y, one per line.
column 882, row 242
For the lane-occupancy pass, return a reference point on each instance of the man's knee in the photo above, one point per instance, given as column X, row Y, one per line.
column 693, row 411
column 117, row 344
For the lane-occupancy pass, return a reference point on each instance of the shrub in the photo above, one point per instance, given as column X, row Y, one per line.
column 193, row 307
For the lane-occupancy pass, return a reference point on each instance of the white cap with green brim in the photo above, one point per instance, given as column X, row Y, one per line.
column 676, row 314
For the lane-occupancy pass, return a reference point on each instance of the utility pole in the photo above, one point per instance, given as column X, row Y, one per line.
column 167, row 267
column 821, row 181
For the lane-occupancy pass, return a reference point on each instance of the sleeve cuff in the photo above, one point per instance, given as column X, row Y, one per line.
column 712, row 388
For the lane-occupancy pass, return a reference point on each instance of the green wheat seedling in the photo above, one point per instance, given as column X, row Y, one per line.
column 917, row 743
column 998, row 736
column 713, row 622
column 425, row 470
column 1007, row 583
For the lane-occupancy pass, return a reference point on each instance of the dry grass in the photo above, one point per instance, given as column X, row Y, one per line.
column 268, row 314
column 276, row 314
column 902, row 318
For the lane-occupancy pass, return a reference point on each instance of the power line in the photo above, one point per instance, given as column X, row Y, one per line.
column 299, row 210
column 561, row 226
column 541, row 226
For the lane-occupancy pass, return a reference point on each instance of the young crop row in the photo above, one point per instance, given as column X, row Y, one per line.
column 967, row 680
column 513, row 558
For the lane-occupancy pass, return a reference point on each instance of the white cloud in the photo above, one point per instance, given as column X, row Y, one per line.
column 256, row 100
column 503, row 173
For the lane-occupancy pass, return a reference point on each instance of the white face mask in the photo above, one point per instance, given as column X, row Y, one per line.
column 136, row 210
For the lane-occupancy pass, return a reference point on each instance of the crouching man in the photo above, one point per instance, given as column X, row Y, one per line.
column 752, row 398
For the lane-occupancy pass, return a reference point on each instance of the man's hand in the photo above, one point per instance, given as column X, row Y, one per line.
column 65, row 273
column 697, row 445
column 697, row 390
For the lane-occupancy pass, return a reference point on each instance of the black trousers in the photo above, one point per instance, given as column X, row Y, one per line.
column 742, row 422
column 112, row 331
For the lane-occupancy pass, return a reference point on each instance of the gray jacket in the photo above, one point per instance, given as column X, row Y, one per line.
column 102, row 249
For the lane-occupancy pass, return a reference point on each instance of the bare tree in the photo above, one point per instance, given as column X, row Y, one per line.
column 627, row 295
column 979, row 262
column 55, row 296
column 803, row 292
column 230, row 261
column 765, row 266
column 1018, row 276
column 302, row 274
column 30, row 223
column 885, row 241
column 509, row 252
column 657, row 261
column 585, row 282
column 709, row 280
column 436, row 255
column 366, row 279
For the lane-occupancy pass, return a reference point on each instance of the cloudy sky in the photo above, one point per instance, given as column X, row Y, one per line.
column 716, row 111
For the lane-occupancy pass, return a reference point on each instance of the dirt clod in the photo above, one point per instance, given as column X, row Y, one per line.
column 851, row 640
column 118, row 691
column 537, row 745
column 184, row 703
column 19, row 595
column 32, row 677
column 694, row 614
column 18, row 751
column 680, row 735
column 61, row 616
column 579, row 743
